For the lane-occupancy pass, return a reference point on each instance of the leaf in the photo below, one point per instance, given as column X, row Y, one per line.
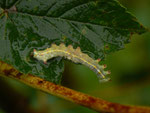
column 98, row 27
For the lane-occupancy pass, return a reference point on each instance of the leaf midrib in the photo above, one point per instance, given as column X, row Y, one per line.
column 69, row 20
column 72, row 21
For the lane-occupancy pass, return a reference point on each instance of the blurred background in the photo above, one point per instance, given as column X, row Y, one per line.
column 130, row 76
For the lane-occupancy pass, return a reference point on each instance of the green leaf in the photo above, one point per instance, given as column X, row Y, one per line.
column 98, row 27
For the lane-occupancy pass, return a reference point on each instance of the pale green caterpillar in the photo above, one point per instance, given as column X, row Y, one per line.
column 75, row 55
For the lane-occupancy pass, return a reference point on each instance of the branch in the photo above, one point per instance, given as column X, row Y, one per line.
column 94, row 103
column 11, row 101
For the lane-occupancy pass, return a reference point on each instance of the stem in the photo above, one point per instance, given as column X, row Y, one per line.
column 11, row 101
column 94, row 103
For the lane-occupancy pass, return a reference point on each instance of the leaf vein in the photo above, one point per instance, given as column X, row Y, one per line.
column 79, row 5
column 73, row 21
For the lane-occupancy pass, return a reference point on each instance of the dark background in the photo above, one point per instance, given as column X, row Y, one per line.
column 130, row 76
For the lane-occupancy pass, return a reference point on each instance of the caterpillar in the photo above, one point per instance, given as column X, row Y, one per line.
column 75, row 55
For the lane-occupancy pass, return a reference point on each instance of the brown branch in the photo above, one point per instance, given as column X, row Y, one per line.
column 11, row 101
column 94, row 103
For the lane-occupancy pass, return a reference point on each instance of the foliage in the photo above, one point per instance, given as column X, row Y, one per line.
column 98, row 27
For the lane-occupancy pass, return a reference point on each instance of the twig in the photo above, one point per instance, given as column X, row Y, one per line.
column 14, row 102
column 94, row 103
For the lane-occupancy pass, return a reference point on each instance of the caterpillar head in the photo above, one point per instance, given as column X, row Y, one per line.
column 38, row 55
